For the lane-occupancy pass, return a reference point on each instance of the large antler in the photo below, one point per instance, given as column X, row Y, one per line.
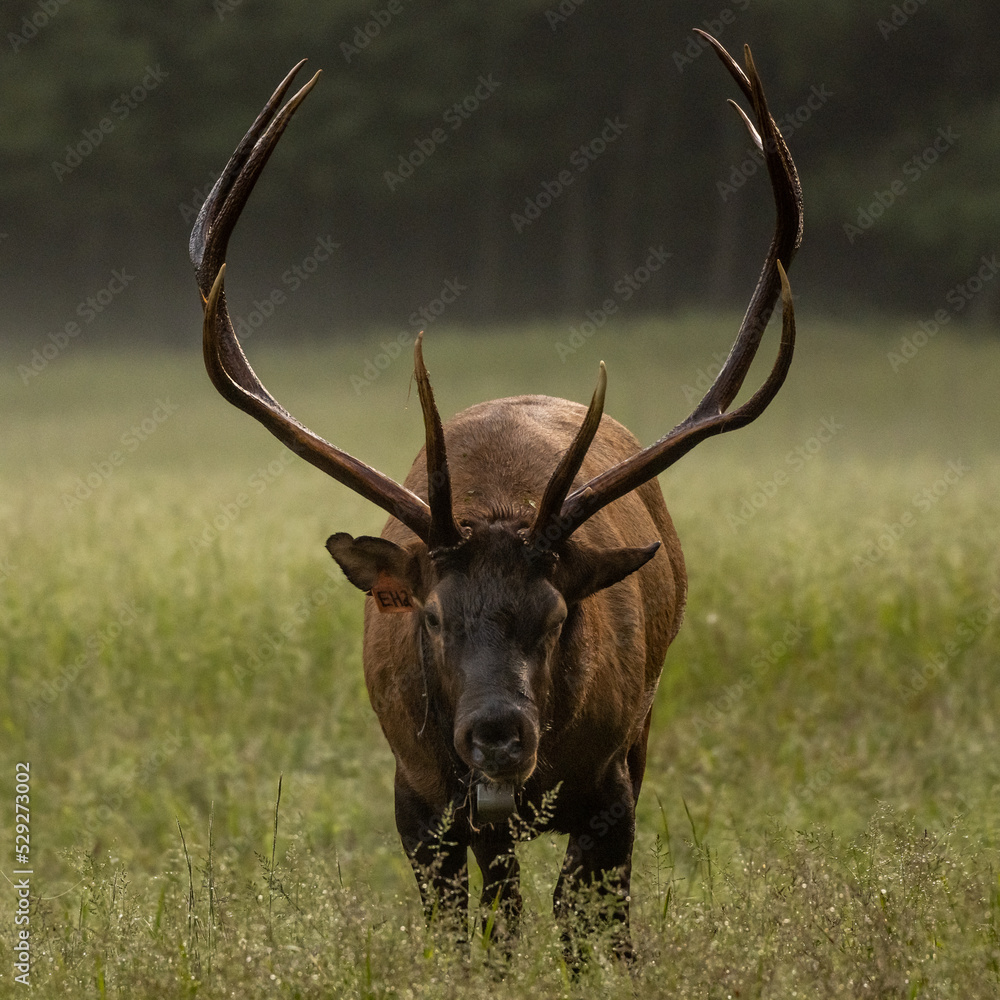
column 557, row 521
column 231, row 372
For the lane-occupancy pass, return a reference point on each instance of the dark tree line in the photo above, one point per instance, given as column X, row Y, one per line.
column 536, row 154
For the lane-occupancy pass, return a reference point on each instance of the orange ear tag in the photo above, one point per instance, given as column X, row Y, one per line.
column 391, row 596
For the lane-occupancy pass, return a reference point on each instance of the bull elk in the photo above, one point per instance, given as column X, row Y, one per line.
column 538, row 573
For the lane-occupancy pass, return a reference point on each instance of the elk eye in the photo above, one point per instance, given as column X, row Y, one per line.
column 554, row 626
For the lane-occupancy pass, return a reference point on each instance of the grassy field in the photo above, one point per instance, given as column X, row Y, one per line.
column 820, row 816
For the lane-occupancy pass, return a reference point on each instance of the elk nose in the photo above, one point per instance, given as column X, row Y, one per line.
column 494, row 746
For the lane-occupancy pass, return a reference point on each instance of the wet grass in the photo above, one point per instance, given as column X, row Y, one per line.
column 820, row 810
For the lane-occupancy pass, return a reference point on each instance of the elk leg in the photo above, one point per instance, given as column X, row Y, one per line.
column 493, row 847
column 598, row 861
column 438, row 854
column 636, row 759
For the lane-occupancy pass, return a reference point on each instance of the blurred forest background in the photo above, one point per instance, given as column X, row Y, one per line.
column 432, row 151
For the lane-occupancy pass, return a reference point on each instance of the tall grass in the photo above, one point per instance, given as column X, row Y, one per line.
column 819, row 816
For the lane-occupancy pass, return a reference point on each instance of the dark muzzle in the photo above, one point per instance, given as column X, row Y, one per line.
column 499, row 743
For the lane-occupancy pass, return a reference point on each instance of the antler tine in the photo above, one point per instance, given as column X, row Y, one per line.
column 568, row 467
column 444, row 532
column 217, row 219
column 750, row 127
column 787, row 193
column 623, row 478
column 225, row 361
column 735, row 69
column 710, row 417
column 356, row 475
column 219, row 215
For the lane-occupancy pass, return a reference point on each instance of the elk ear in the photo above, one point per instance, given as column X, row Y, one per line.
column 582, row 571
column 365, row 558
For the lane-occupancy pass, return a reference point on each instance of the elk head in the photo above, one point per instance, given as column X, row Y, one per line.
column 491, row 596
column 492, row 593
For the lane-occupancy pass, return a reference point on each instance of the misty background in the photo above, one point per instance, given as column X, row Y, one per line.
column 525, row 156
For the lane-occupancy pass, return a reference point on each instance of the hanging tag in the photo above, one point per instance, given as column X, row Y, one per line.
column 391, row 596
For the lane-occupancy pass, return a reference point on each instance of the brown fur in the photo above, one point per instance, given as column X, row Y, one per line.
column 501, row 455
